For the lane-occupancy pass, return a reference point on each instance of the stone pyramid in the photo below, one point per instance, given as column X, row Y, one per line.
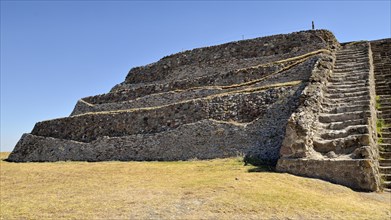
column 302, row 99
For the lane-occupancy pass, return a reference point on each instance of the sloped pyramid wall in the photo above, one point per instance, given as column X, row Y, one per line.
column 226, row 100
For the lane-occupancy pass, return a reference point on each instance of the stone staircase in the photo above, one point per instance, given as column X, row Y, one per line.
column 343, row 126
column 382, row 63
column 332, row 135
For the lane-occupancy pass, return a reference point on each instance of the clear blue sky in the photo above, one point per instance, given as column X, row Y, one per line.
column 56, row 52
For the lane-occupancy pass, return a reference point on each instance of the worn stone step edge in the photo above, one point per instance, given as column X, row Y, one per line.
column 346, row 94
column 340, row 117
column 386, row 177
column 385, row 154
column 343, row 90
column 329, row 105
column 346, row 145
column 348, row 84
column 347, row 109
column 385, row 162
column 342, row 125
column 350, row 130
column 385, row 170
column 346, row 100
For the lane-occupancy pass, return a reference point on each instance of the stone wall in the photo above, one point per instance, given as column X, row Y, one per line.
column 298, row 71
column 356, row 174
column 222, row 79
column 241, row 106
column 260, row 139
column 222, row 58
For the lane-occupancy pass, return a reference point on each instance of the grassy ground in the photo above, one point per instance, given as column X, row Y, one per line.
column 222, row 188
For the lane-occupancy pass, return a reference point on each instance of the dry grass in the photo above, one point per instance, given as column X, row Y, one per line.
column 222, row 189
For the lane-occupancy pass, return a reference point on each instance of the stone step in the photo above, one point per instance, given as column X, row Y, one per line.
column 386, row 140
column 386, row 177
column 345, row 56
column 351, row 53
column 386, row 134
column 384, row 89
column 352, row 108
column 379, row 82
column 347, row 100
column 383, row 101
column 384, row 115
column 330, row 105
column 344, row 145
column 383, row 92
column 385, row 170
column 349, row 84
column 346, row 76
column 384, row 108
column 339, row 67
column 385, row 154
column 350, row 130
column 386, row 129
column 346, row 94
column 387, row 121
column 382, row 81
column 347, row 69
column 346, row 64
column 347, row 52
column 387, row 186
column 345, row 90
column 340, row 117
column 339, row 64
column 343, row 125
column 351, row 49
column 347, row 87
column 383, row 77
column 349, row 74
column 385, row 162
column 352, row 58
column 384, row 147
column 347, row 79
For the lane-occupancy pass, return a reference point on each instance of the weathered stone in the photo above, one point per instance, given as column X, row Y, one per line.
column 300, row 99
column 336, row 124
